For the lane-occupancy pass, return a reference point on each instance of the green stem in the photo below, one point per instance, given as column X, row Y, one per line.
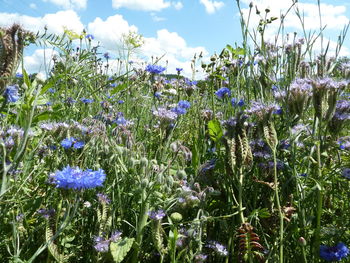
column 240, row 193
column 140, row 226
column 319, row 203
column 278, row 204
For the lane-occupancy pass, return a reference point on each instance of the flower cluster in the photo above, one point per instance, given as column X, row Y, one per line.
column 156, row 215
column 76, row 178
column 335, row 253
column 102, row 244
column 165, row 115
column 218, row 248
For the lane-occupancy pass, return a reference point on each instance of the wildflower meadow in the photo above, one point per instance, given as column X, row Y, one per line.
column 245, row 161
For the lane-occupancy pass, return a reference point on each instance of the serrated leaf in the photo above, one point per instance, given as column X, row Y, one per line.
column 121, row 248
column 215, row 131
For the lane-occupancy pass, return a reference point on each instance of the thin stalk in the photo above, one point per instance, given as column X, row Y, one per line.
column 278, row 204
column 140, row 225
column 240, row 193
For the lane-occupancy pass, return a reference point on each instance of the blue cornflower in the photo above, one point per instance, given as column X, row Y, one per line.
column 156, row 215
column 89, row 37
column 79, row 145
column 19, row 75
column 335, row 253
column 155, row 69
column 157, row 94
column 346, row 173
column 222, row 92
column 51, row 90
column 71, row 141
column 179, row 111
column 240, row 103
column 184, row 104
column 179, row 70
column 120, row 101
column 76, row 178
column 68, row 142
column 106, row 55
column 86, row 101
column 11, row 93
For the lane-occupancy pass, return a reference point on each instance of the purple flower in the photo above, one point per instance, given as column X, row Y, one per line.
column 218, row 248
column 101, row 244
column 46, row 213
column 164, row 114
column 155, row 69
column 156, row 215
column 222, row 92
column 103, row 199
column 179, row 70
column 200, row 258
column 335, row 253
column 11, row 93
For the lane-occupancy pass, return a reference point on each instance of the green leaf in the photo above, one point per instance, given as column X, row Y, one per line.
column 121, row 248
column 47, row 86
column 119, row 88
column 215, row 131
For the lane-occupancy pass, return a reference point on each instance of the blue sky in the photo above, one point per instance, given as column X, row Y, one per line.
column 174, row 28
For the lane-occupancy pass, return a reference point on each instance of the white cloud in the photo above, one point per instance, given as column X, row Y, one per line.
column 55, row 23
column 143, row 5
column 178, row 5
column 69, row 4
column 157, row 18
column 172, row 48
column 33, row 6
column 110, row 31
column 168, row 45
column 211, row 6
column 39, row 61
column 332, row 16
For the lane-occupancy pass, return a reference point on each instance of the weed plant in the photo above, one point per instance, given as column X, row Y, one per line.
column 250, row 164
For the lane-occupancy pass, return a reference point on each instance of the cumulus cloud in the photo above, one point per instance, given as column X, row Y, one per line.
column 332, row 16
column 55, row 23
column 212, row 6
column 110, row 31
column 142, row 5
column 40, row 61
column 69, row 4
column 169, row 46
column 172, row 48
column 178, row 5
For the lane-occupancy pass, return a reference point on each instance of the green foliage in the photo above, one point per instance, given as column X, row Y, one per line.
column 121, row 248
